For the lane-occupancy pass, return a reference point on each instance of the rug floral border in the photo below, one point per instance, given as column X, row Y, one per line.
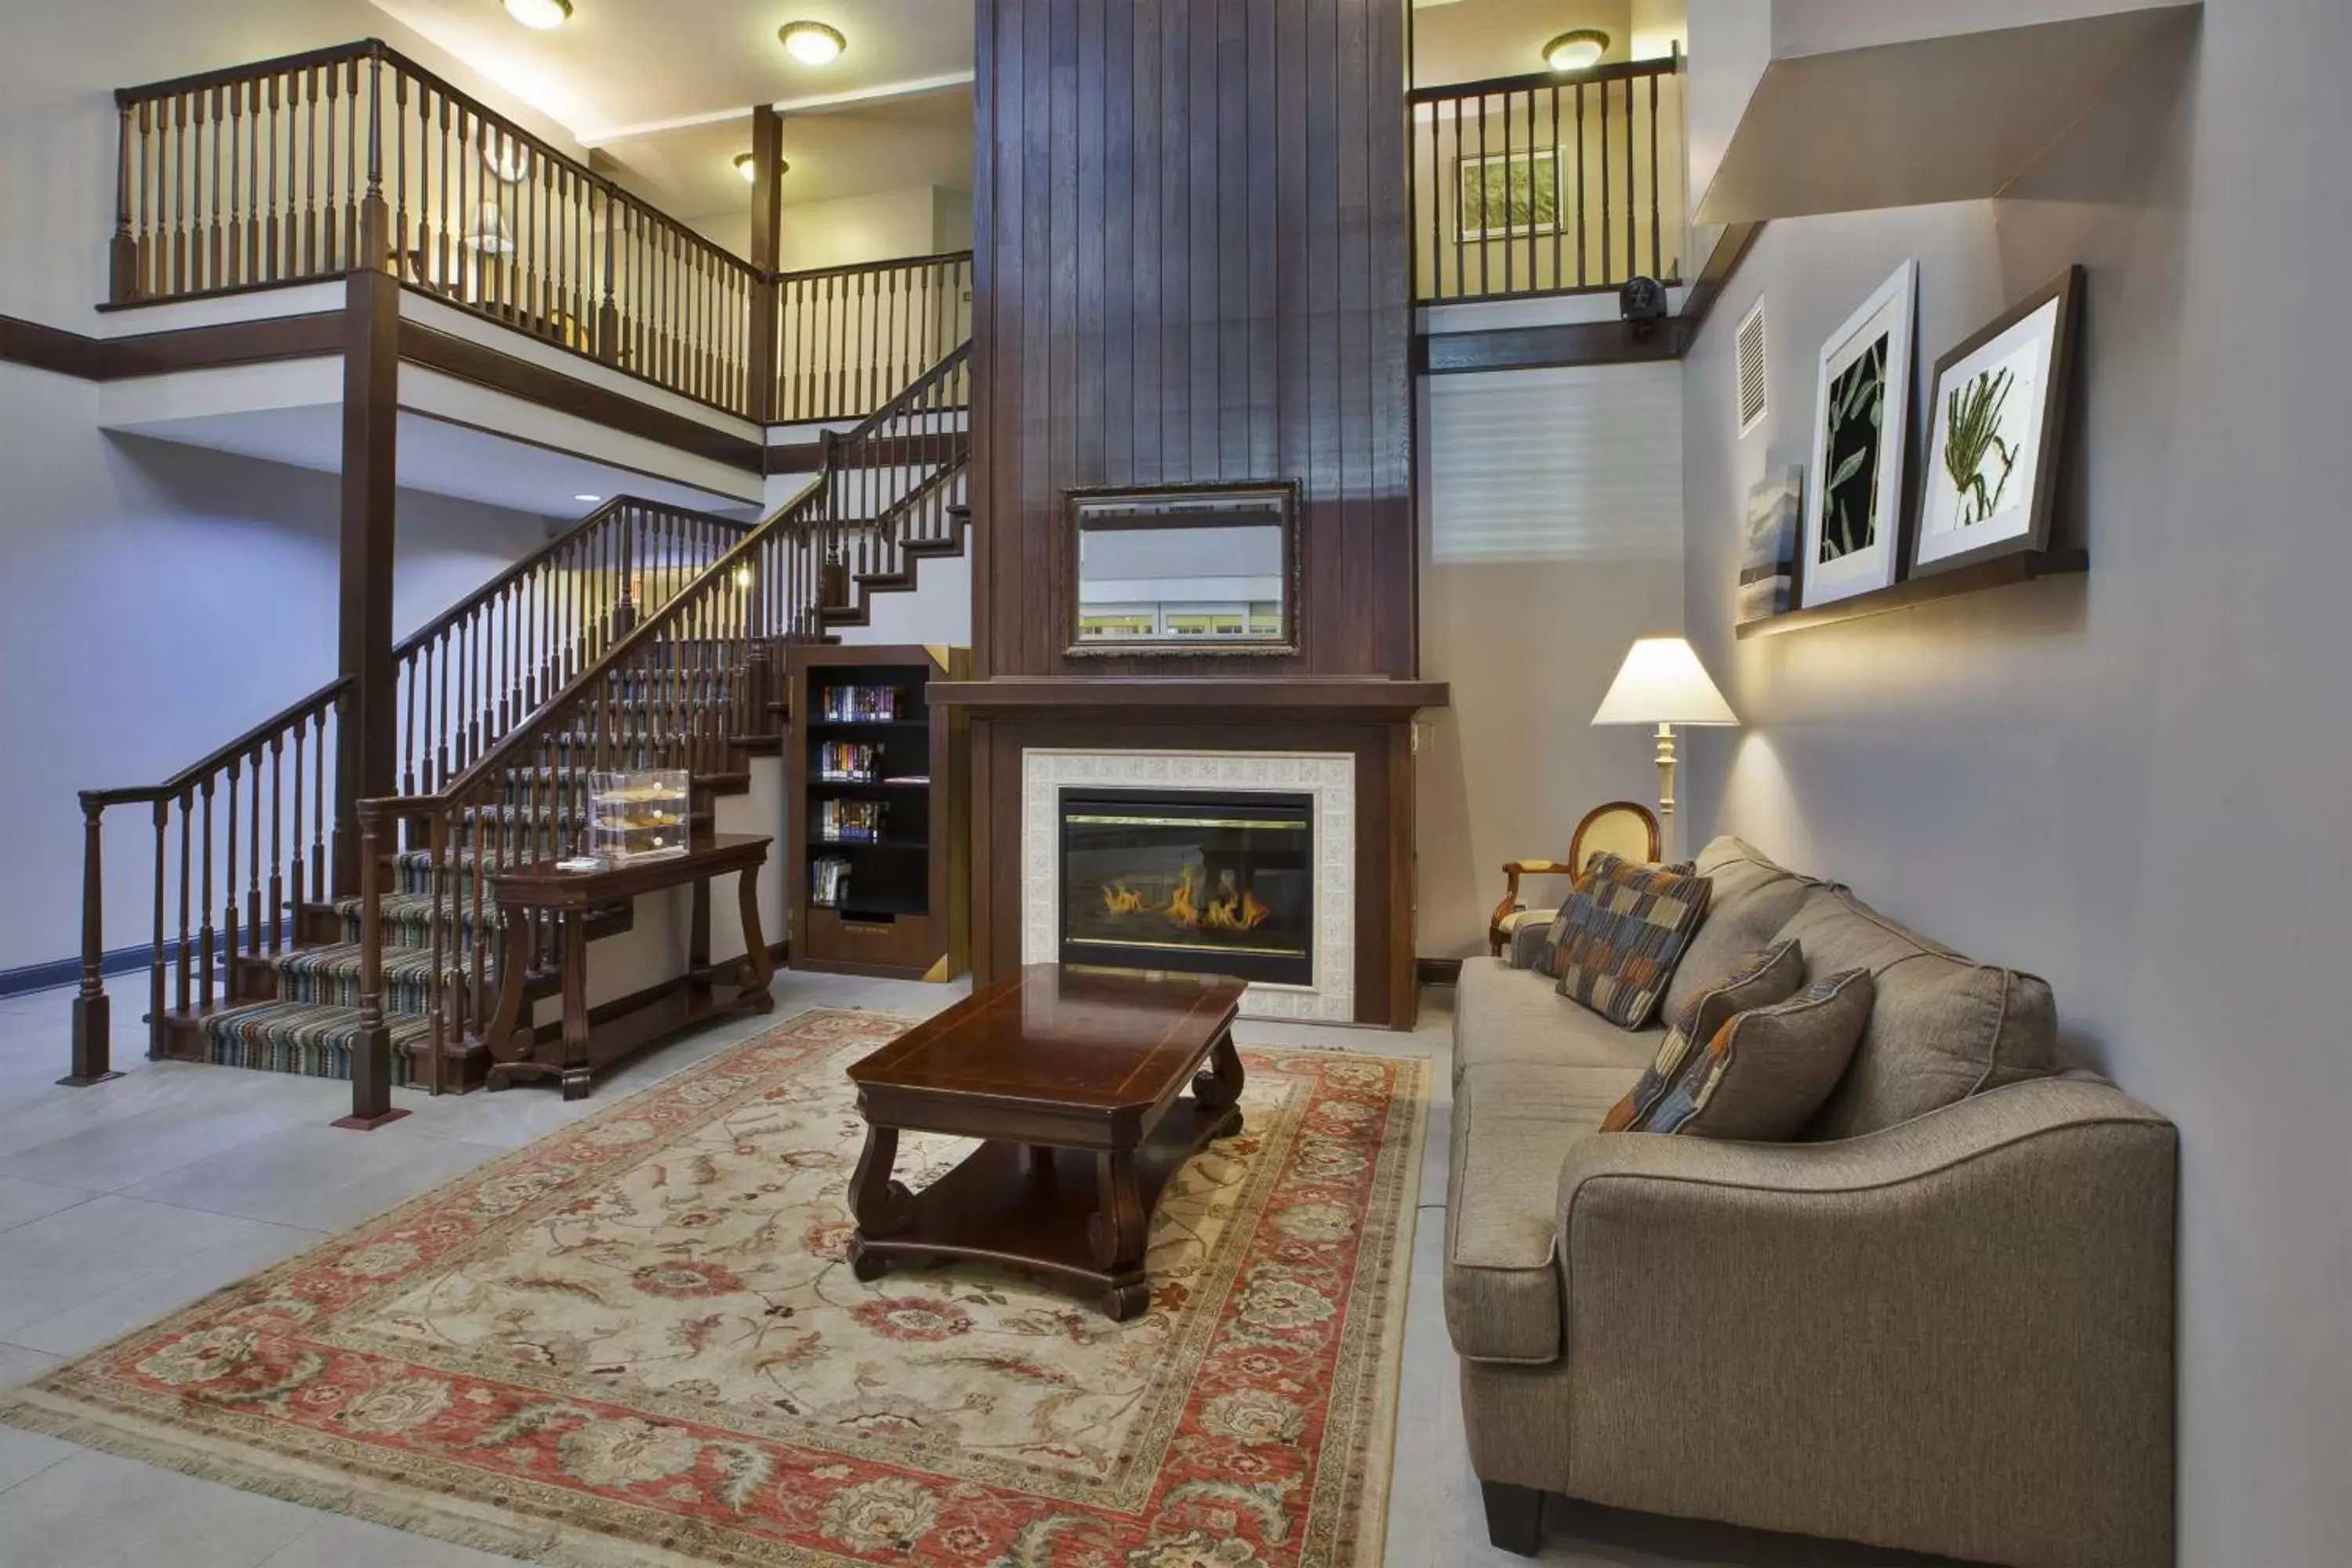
column 1346, row 1496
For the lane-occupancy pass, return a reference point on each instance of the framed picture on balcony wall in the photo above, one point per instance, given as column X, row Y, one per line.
column 1996, row 420
column 1853, row 486
column 1505, row 196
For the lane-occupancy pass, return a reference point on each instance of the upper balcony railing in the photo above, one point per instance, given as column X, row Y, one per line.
column 315, row 165
column 1548, row 183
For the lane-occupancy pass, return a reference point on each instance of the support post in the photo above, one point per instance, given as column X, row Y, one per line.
column 767, row 239
column 367, row 760
column 372, row 1053
column 94, row 1028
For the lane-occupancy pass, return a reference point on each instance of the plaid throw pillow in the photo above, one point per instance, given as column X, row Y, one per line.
column 1624, row 935
column 1766, row 1072
column 1760, row 979
column 1545, row 958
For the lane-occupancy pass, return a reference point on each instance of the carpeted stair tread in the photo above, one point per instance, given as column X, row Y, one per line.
column 304, row 1037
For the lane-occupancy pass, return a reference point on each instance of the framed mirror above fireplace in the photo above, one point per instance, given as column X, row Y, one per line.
column 1209, row 568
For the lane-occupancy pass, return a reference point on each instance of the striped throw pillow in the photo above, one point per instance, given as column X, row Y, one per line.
column 1624, row 932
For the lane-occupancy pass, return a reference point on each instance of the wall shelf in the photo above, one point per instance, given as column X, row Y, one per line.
column 1953, row 117
column 1903, row 595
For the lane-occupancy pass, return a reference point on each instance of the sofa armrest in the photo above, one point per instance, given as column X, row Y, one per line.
column 1953, row 1335
column 1496, row 938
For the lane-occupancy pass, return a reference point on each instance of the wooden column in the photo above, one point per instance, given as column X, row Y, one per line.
column 368, row 761
column 767, row 232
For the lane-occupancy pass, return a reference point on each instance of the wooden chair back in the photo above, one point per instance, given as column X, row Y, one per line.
column 1623, row 828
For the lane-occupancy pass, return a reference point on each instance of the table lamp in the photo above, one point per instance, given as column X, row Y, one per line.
column 1662, row 683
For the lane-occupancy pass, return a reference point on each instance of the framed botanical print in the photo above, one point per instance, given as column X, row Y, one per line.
column 1507, row 196
column 1998, row 420
column 1853, row 486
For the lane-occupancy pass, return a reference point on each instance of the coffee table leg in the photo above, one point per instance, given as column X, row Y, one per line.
column 882, row 1207
column 1218, row 1086
column 1116, row 1233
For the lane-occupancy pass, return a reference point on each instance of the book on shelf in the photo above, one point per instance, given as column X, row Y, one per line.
column 829, row 880
column 858, row 704
column 846, row 762
column 849, row 820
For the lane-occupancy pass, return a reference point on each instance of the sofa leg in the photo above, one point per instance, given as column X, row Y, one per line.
column 1514, row 1516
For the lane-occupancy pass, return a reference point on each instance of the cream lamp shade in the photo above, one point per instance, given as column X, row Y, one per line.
column 1662, row 682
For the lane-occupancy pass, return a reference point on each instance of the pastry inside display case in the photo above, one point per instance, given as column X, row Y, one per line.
column 635, row 817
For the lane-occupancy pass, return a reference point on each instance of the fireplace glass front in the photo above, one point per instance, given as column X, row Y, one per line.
column 1212, row 883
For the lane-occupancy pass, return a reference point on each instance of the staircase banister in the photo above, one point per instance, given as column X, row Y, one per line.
column 517, row 740
column 899, row 405
column 540, row 557
column 189, row 777
column 225, row 76
column 1527, row 81
column 888, row 264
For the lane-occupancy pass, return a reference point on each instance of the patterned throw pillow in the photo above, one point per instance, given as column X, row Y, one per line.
column 1766, row 1072
column 1622, row 934
column 1544, row 959
column 1761, row 979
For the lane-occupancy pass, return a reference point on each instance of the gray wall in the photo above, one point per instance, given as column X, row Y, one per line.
column 155, row 600
column 2135, row 782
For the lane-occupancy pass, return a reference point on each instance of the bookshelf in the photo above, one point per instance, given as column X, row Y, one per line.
column 876, row 808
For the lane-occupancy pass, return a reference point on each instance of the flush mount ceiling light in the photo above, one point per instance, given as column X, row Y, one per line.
column 748, row 166
column 812, row 43
column 543, row 15
column 587, row 498
column 1576, row 52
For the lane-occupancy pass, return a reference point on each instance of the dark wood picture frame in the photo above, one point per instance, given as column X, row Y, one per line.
column 1288, row 492
column 2066, row 288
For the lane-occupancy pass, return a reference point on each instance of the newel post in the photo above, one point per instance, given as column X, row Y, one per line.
column 371, row 1104
column 123, row 254
column 92, row 1011
column 375, row 216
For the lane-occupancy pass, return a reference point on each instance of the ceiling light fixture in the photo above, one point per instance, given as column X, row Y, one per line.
column 812, row 43
column 749, row 167
column 543, row 15
column 589, row 499
column 1576, row 52
column 509, row 159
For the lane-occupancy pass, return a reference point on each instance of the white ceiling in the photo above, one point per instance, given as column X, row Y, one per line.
column 1473, row 40
column 622, row 63
column 438, row 457
column 921, row 140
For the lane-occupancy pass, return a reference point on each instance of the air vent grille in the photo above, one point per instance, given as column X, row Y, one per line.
column 1751, row 369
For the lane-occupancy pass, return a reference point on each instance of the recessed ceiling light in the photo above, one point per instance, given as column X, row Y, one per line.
column 1576, row 52
column 543, row 15
column 812, row 43
column 588, row 497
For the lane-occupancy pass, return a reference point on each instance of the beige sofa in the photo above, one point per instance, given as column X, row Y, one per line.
column 1943, row 1322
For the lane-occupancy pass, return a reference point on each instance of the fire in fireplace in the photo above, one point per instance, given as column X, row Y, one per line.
column 1208, row 883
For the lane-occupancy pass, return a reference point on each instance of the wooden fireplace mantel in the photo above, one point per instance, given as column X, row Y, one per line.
column 1335, row 697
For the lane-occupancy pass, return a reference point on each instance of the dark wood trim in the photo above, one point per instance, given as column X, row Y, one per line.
column 1999, row 572
column 1495, row 85
column 369, row 757
column 314, row 335
column 1334, row 697
column 604, row 1013
column 1541, row 348
column 795, row 457
column 433, row 350
column 1437, row 970
column 1722, row 264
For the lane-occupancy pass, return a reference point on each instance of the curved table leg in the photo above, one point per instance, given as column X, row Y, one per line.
column 882, row 1207
column 1218, row 1086
column 759, row 968
column 1116, row 1233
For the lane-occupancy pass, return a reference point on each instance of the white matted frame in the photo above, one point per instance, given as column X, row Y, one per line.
column 1998, row 420
column 1329, row 778
column 1860, row 488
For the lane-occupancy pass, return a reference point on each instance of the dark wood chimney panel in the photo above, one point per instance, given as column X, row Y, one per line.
column 1191, row 245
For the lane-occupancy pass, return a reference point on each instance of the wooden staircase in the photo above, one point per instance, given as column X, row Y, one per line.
column 646, row 637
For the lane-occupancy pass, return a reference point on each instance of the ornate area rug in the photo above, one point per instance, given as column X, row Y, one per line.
column 638, row 1342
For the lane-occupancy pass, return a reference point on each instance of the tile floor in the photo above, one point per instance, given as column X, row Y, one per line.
column 120, row 1203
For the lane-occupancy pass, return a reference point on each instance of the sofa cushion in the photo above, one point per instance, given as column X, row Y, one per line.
column 1625, row 928
column 1506, row 1014
column 1751, row 900
column 1942, row 1028
column 1761, row 979
column 1514, row 1123
column 1766, row 1070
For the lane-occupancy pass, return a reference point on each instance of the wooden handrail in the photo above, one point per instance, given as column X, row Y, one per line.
column 195, row 773
column 227, row 75
column 888, row 264
column 1528, row 81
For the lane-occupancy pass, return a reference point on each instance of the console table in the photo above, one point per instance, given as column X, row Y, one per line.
column 530, row 897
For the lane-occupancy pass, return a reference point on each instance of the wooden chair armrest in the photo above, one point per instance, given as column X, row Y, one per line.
column 1515, row 869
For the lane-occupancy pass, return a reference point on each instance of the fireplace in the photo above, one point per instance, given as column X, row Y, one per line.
column 1207, row 882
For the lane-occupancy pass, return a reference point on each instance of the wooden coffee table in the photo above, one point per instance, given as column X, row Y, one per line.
column 1076, row 1080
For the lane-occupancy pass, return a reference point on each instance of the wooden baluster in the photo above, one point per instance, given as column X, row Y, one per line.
column 1657, row 239
column 1632, row 217
column 278, row 841
column 179, row 138
column 1582, row 273
column 253, row 855
column 228, row 884
column 1608, row 246
column 123, row 251
column 205, row 902
column 93, row 1029
column 162, row 815
column 318, row 797
column 187, row 882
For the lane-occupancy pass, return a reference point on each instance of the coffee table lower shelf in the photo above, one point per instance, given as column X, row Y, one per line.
column 1078, row 1215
